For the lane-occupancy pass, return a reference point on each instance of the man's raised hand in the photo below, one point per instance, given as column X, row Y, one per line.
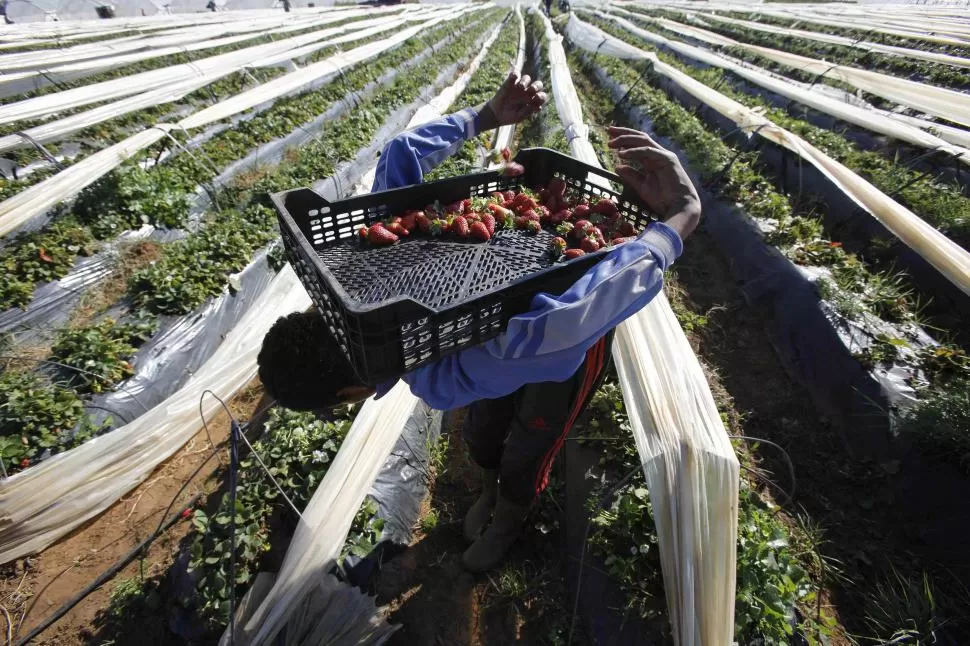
column 657, row 176
column 517, row 99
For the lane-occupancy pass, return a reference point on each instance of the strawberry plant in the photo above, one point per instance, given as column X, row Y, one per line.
column 102, row 350
column 298, row 449
column 37, row 417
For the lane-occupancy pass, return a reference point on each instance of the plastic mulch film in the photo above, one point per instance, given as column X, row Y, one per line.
column 943, row 254
column 41, row 504
column 213, row 67
column 941, row 102
column 37, row 199
column 691, row 470
column 905, row 52
column 862, row 117
column 503, row 138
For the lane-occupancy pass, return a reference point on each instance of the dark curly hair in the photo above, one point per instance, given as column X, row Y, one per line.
column 301, row 364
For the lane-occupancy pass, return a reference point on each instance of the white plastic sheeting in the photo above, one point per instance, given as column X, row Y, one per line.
column 41, row 504
column 212, row 67
column 864, row 118
column 37, row 199
column 905, row 52
column 941, row 102
column 691, row 470
column 946, row 256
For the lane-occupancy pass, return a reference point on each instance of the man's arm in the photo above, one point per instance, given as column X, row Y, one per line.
column 411, row 154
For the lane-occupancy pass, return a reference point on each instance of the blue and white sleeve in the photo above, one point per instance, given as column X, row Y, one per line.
column 411, row 154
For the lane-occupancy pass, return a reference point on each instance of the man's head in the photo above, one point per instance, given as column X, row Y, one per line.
column 302, row 366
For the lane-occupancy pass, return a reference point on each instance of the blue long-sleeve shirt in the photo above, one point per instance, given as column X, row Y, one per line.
column 549, row 342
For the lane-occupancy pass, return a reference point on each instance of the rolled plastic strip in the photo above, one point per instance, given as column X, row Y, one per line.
column 946, row 256
column 692, row 473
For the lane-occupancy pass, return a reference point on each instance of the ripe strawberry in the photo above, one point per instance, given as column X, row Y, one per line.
column 580, row 228
column 627, row 229
column 579, row 200
column 619, row 241
column 523, row 203
column 410, row 220
column 466, row 206
column 543, row 213
column 532, row 226
column 557, row 247
column 498, row 196
column 25, row 463
column 565, row 228
column 459, row 226
column 581, row 211
column 509, row 196
column 521, row 222
column 423, row 222
column 597, row 234
column 438, row 226
column 362, row 232
column 186, row 513
column 378, row 235
column 569, row 254
column 557, row 187
column 397, row 228
column 559, row 217
column 489, row 221
column 506, row 154
column 479, row 231
column 500, row 212
column 605, row 207
column 589, row 244
column 532, row 214
column 454, row 207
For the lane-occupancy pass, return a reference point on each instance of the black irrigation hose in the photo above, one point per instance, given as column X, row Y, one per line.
column 105, row 576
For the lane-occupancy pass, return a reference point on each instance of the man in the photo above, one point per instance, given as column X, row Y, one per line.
column 526, row 387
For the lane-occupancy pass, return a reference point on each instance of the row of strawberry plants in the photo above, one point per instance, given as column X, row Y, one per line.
column 916, row 70
column 482, row 85
column 771, row 584
column 859, row 34
column 178, row 282
column 544, row 128
column 852, row 286
column 161, row 195
column 198, row 266
column 55, row 43
column 940, row 203
column 96, row 137
column 297, row 449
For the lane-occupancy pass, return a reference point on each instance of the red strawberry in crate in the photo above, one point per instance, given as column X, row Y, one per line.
column 543, row 212
column 619, row 241
column 589, row 244
column 362, row 232
column 397, row 229
column 581, row 211
column 524, row 203
column 479, row 231
column 581, row 228
column 410, row 220
column 509, row 196
column 500, row 212
column 597, row 234
column 378, row 235
column 459, row 226
column 532, row 226
column 423, row 222
column 521, row 221
column 532, row 214
column 557, row 247
column 569, row 254
column 627, row 229
column 559, row 217
column 454, row 207
column 498, row 197
column 605, row 207
column 489, row 221
column 466, row 206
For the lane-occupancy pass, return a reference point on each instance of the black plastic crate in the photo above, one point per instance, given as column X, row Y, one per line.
column 399, row 307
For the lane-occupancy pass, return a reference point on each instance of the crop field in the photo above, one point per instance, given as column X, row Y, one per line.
column 151, row 492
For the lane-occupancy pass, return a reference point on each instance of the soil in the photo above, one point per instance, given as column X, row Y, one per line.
column 34, row 588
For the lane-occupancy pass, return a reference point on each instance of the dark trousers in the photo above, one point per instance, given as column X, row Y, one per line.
column 521, row 434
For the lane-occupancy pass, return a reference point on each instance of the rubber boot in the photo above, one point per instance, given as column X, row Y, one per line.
column 489, row 550
column 478, row 516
